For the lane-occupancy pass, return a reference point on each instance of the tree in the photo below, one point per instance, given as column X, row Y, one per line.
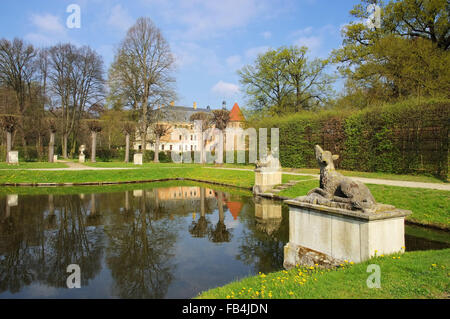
column 76, row 78
column 94, row 127
column 205, row 119
column 17, row 68
column 128, row 129
column 9, row 124
column 141, row 72
column 284, row 80
column 406, row 54
column 51, row 145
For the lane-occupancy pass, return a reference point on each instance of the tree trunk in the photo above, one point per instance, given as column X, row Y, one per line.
column 51, row 147
column 127, row 147
column 8, row 145
column 156, row 157
column 94, row 145
column 64, row 145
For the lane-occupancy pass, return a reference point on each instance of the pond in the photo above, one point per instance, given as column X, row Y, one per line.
column 158, row 241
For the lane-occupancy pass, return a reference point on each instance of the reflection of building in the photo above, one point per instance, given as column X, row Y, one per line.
column 181, row 134
column 234, row 208
column 182, row 192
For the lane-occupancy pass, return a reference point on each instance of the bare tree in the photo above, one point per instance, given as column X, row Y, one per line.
column 17, row 68
column 95, row 127
column 76, row 77
column 128, row 129
column 205, row 119
column 9, row 124
column 141, row 73
column 51, row 145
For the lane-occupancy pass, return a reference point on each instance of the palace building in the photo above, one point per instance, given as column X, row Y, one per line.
column 182, row 135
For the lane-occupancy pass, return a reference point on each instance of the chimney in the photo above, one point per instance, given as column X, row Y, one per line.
column 195, row 105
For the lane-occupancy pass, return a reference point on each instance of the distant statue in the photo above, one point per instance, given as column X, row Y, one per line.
column 269, row 161
column 82, row 148
column 337, row 190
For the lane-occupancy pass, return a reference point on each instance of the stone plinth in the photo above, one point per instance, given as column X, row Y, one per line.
column 137, row 159
column 13, row 157
column 81, row 158
column 329, row 235
column 266, row 178
column 55, row 158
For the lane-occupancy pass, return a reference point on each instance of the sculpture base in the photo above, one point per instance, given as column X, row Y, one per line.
column 137, row 159
column 330, row 234
column 13, row 157
column 266, row 179
column 81, row 158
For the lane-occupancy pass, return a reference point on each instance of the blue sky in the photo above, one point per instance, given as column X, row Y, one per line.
column 211, row 39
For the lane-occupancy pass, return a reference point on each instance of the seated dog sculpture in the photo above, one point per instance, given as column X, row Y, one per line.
column 337, row 190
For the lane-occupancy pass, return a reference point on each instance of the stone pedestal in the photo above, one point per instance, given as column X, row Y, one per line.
column 13, row 157
column 137, row 159
column 266, row 178
column 55, row 158
column 82, row 158
column 328, row 235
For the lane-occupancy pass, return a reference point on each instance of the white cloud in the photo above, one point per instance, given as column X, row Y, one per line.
column 266, row 35
column 120, row 18
column 48, row 23
column 316, row 39
column 224, row 89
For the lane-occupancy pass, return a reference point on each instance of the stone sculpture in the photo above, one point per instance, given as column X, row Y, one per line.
column 82, row 148
column 268, row 162
column 337, row 190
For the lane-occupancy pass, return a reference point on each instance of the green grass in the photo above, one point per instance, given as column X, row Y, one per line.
column 422, row 274
column 428, row 206
column 379, row 175
column 27, row 165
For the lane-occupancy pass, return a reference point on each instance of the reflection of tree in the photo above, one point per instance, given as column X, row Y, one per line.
column 258, row 248
column 139, row 253
column 220, row 233
column 43, row 237
column 200, row 228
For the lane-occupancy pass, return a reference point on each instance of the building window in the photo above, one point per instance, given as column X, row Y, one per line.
column 170, row 147
column 192, row 147
column 180, row 137
column 162, row 147
column 180, row 148
column 191, row 137
column 140, row 147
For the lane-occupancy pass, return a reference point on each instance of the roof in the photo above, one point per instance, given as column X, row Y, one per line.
column 179, row 113
column 236, row 114
column 234, row 208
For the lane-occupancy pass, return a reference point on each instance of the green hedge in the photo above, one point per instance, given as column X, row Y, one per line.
column 403, row 138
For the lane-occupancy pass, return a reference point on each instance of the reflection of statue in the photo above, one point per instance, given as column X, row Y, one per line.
column 337, row 190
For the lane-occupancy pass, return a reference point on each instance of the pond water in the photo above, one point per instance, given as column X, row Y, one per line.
column 165, row 242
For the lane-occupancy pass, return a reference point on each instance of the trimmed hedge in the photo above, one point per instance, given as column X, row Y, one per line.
column 402, row 138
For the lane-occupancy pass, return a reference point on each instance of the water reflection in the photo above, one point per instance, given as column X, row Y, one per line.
column 167, row 242
column 170, row 242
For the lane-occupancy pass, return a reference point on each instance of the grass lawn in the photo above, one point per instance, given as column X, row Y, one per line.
column 422, row 274
column 27, row 165
column 395, row 177
column 429, row 206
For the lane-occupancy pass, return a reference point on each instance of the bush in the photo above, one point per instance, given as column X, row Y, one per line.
column 403, row 138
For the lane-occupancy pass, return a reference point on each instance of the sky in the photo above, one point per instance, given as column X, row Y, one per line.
column 210, row 39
